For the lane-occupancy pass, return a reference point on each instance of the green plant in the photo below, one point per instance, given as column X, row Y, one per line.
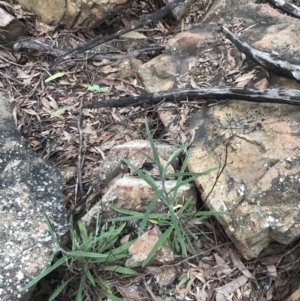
column 175, row 223
column 89, row 254
column 54, row 76
column 97, row 88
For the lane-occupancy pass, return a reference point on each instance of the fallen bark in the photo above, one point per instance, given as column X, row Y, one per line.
column 100, row 40
column 290, row 97
column 267, row 60
column 25, row 43
column 286, row 7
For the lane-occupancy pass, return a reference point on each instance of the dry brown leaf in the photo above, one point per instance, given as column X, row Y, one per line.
column 270, row 292
column 200, row 294
column 134, row 35
column 221, row 267
column 45, row 102
column 52, row 102
column 231, row 60
column 129, row 293
column 239, row 264
column 272, row 271
column 232, row 286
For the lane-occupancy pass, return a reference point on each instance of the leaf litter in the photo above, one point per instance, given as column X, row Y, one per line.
column 46, row 110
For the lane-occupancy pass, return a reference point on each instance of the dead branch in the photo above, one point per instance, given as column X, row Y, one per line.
column 25, row 43
column 290, row 97
column 286, row 7
column 264, row 58
column 100, row 40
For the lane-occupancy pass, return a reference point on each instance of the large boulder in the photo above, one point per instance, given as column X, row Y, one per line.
column 257, row 143
column 30, row 191
column 75, row 14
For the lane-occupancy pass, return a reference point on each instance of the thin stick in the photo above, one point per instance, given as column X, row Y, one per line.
column 79, row 161
column 100, row 40
column 291, row 97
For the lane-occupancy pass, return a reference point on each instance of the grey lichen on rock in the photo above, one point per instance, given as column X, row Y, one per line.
column 29, row 189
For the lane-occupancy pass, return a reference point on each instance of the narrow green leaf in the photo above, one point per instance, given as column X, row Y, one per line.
column 121, row 270
column 79, row 254
column 90, row 277
column 149, row 210
column 54, row 76
column 183, row 281
column 193, row 174
column 142, row 175
column 51, row 231
column 80, row 289
column 58, row 263
column 97, row 88
column 83, row 231
column 110, row 296
column 120, row 250
column 154, row 150
column 58, row 112
column 153, row 221
column 158, row 245
column 176, row 153
column 59, row 289
column 180, row 239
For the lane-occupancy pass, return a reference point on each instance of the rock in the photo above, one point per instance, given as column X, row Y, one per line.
column 68, row 173
column 129, row 66
column 10, row 28
column 113, row 166
column 182, row 9
column 30, row 188
column 164, row 71
column 75, row 14
column 131, row 192
column 259, row 183
column 142, row 247
column 223, row 8
column 134, row 194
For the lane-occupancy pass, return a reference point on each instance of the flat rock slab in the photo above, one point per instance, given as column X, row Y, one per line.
column 74, row 14
column 260, row 182
column 259, row 142
column 29, row 189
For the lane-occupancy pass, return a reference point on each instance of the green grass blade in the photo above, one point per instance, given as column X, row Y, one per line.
column 122, row 249
column 58, row 263
column 51, row 231
column 54, row 76
column 154, row 150
column 150, row 181
column 90, row 277
column 186, row 204
column 126, row 211
column 110, row 296
column 177, row 231
column 149, row 210
column 83, row 231
column 121, row 270
column 176, row 154
column 80, row 289
column 58, row 291
column 189, row 174
column 158, row 245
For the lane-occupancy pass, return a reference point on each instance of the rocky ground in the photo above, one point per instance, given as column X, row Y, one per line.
column 47, row 114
